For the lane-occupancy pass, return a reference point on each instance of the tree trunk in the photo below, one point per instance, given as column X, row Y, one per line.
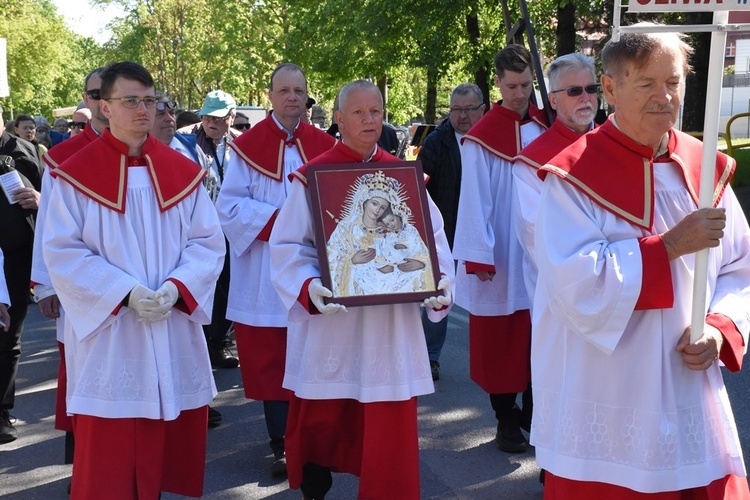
column 429, row 111
column 479, row 64
column 383, row 86
column 566, row 28
column 693, row 115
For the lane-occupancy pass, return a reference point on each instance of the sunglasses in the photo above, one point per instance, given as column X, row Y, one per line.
column 94, row 94
column 578, row 90
column 242, row 126
column 165, row 106
column 80, row 125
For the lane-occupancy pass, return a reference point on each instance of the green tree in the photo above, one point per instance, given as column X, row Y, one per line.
column 46, row 61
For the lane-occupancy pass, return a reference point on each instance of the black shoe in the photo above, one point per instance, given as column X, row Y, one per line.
column 278, row 467
column 8, row 432
column 214, row 418
column 435, row 368
column 223, row 358
column 509, row 438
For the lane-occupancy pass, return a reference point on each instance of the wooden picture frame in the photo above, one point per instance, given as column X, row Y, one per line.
column 372, row 231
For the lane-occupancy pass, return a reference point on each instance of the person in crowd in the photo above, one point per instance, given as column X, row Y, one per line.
column 490, row 274
column 139, row 373
column 241, row 122
column 60, row 131
column 17, row 219
column 257, row 184
column 307, row 117
column 81, row 117
column 42, row 132
column 572, row 78
column 164, row 131
column 44, row 292
column 214, row 134
column 24, row 127
column 4, row 298
column 185, row 118
column 617, row 228
column 440, row 155
column 360, row 418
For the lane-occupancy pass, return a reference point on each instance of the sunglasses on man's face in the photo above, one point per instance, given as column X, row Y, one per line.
column 578, row 90
column 94, row 94
column 165, row 106
column 80, row 125
column 242, row 126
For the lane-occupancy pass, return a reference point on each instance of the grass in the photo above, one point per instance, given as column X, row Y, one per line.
column 742, row 173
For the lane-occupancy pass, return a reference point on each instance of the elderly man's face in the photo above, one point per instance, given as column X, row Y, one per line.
column 465, row 111
column 577, row 112
column 647, row 99
column 217, row 127
column 78, row 121
column 360, row 119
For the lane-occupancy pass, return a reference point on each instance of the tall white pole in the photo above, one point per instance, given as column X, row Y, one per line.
column 708, row 166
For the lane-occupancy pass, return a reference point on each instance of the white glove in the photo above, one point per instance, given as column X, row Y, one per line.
column 441, row 301
column 317, row 292
column 160, row 308
column 140, row 296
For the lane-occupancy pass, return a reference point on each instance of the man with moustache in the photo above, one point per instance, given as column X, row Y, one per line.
column 139, row 376
column 574, row 97
column 626, row 406
column 362, row 417
column 44, row 293
column 440, row 155
column 256, row 186
column 489, row 280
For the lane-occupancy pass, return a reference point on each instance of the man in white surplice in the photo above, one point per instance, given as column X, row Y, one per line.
column 133, row 248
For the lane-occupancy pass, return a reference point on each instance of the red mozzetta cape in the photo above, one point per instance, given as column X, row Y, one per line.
column 67, row 148
column 627, row 191
column 340, row 153
column 546, row 146
column 262, row 147
column 174, row 176
column 499, row 131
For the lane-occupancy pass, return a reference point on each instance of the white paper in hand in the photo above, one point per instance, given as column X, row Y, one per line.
column 10, row 182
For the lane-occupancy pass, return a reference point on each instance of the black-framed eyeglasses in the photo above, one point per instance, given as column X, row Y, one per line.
column 459, row 111
column 80, row 125
column 242, row 126
column 165, row 106
column 134, row 102
column 578, row 90
column 94, row 94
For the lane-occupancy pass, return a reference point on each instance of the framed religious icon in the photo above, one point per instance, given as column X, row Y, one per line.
column 373, row 232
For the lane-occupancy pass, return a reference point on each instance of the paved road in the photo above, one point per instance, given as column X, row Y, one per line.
column 458, row 457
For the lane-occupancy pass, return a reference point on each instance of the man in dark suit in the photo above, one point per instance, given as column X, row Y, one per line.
column 441, row 160
column 16, row 242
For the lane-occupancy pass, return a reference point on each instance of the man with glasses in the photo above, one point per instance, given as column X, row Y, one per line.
column 78, row 121
column 628, row 406
column 214, row 134
column 132, row 247
column 574, row 98
column 241, row 122
column 489, row 280
column 441, row 160
column 257, row 185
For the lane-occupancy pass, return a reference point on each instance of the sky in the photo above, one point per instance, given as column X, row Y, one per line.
column 86, row 20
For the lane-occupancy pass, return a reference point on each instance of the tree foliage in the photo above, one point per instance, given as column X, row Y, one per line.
column 415, row 51
column 45, row 61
